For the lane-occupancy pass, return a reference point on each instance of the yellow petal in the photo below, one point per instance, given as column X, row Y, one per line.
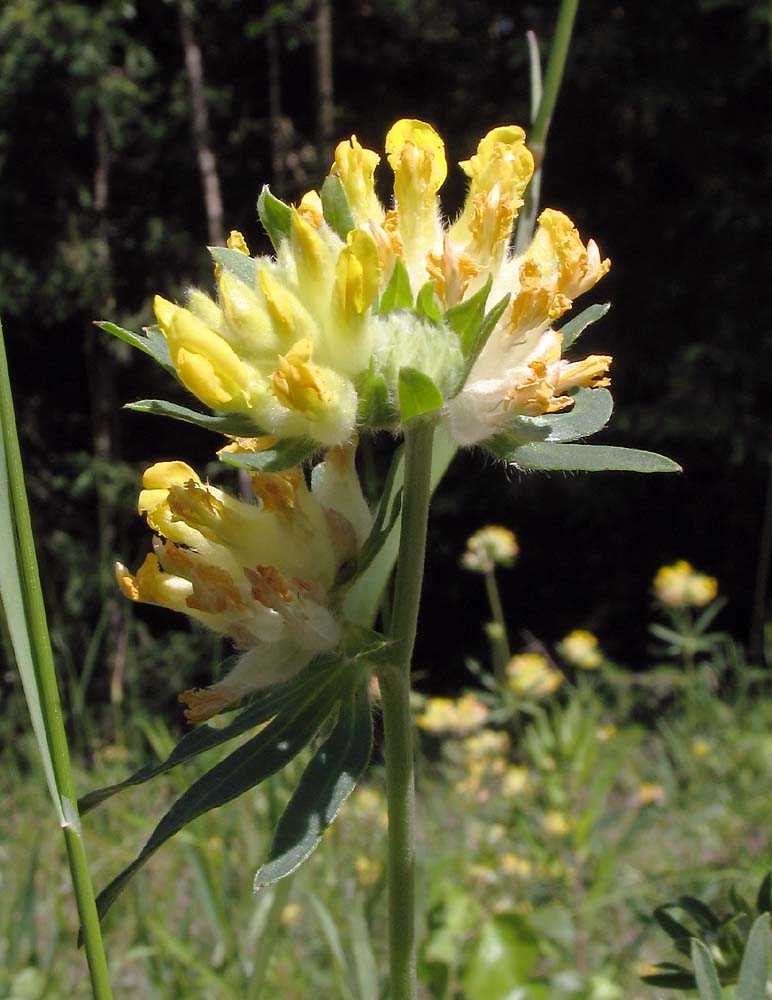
column 357, row 273
column 416, row 154
column 355, row 166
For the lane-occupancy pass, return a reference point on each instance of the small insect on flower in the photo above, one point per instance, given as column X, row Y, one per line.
column 263, row 573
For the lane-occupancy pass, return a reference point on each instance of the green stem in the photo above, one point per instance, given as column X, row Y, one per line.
column 51, row 709
column 537, row 140
column 394, row 682
column 498, row 633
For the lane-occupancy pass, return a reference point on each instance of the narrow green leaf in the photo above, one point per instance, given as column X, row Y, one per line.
column 275, row 216
column 590, row 413
column 418, row 395
column 589, row 458
column 486, row 329
column 752, row 982
column 266, row 704
column 503, row 956
column 397, row 293
column 764, row 895
column 265, row 754
column 335, row 206
column 325, row 785
column 466, row 318
column 235, row 424
column 670, row 980
column 152, row 342
column 239, row 264
column 386, row 515
column 705, row 973
column 672, row 927
column 576, row 326
column 698, row 911
column 427, row 305
column 285, row 454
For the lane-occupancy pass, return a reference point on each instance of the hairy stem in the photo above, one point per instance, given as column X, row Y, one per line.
column 394, row 682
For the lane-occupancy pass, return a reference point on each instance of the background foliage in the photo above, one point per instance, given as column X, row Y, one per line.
column 660, row 149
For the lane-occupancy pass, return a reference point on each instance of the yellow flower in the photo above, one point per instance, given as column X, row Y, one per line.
column 681, row 586
column 580, row 648
column 700, row 748
column 648, row 794
column 490, row 547
column 260, row 573
column 302, row 343
column 556, row 823
column 530, row 676
column 514, row 864
column 458, row 716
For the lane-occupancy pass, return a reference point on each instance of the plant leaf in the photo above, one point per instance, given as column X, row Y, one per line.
column 375, row 406
column 418, row 395
column 397, row 293
column 486, row 329
column 426, row 304
column 257, row 759
column 504, row 956
column 752, row 982
column 324, row 786
column 239, row 264
column 266, row 704
column 275, row 216
column 335, row 206
column 235, row 424
column 575, row 327
column 590, row 413
column 152, row 342
column 705, row 973
column 589, row 458
column 285, row 454
column 764, row 895
column 466, row 318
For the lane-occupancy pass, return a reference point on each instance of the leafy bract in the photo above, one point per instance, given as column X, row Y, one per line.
column 397, row 293
column 239, row 264
column 479, row 341
column 335, row 206
column 325, row 785
column 589, row 458
column 284, row 454
column 151, row 342
column 235, row 424
column 275, row 216
column 257, row 759
column 418, row 395
column 576, row 326
column 590, row 413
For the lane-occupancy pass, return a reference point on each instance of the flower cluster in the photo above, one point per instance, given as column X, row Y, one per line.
column 580, row 648
column 310, row 343
column 263, row 572
column 490, row 547
column 529, row 675
column 681, row 586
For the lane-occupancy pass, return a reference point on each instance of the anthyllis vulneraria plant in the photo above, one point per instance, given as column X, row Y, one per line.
column 367, row 318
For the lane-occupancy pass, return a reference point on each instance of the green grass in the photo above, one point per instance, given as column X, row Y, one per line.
column 568, row 901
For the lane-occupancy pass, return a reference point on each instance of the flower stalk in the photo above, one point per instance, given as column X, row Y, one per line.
column 394, row 680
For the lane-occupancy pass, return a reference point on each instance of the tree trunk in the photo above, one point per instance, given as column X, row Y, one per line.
column 207, row 162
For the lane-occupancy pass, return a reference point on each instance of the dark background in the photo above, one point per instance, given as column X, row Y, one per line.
column 660, row 149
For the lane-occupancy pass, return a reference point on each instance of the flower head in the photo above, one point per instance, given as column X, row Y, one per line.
column 311, row 342
column 681, row 586
column 490, row 547
column 580, row 648
column 530, row 676
column 448, row 715
column 262, row 573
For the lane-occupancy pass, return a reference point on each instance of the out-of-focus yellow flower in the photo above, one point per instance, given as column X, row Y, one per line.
column 490, row 547
column 556, row 823
column 605, row 733
column 681, row 586
column 530, row 676
column 700, row 748
column 260, row 573
column 486, row 745
column 370, row 806
column 647, row 794
column 514, row 864
column 515, row 781
column 291, row 914
column 449, row 715
column 368, row 871
column 580, row 648
column 294, row 341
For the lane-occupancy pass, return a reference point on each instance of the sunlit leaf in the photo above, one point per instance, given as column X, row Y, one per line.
column 285, row 454
column 335, row 206
column 589, row 458
column 275, row 216
column 236, row 263
column 235, row 424
column 576, row 326
column 418, row 395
